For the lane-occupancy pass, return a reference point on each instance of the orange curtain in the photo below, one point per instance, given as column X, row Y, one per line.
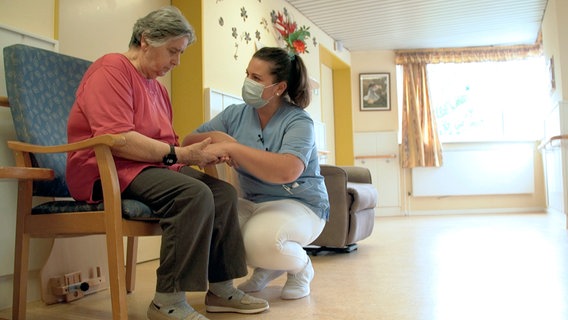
column 421, row 146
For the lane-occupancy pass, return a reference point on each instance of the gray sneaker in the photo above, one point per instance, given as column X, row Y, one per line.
column 156, row 312
column 245, row 304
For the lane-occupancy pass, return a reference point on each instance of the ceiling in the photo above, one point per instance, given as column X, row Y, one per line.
column 366, row 25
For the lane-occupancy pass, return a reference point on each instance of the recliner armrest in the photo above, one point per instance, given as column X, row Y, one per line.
column 357, row 174
column 364, row 196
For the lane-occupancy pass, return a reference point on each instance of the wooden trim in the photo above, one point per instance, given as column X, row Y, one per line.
column 4, row 101
column 380, row 156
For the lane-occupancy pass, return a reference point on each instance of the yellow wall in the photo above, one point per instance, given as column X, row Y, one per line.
column 372, row 62
column 32, row 16
column 342, row 110
column 187, row 78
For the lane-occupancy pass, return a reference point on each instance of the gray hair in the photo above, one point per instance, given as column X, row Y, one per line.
column 160, row 26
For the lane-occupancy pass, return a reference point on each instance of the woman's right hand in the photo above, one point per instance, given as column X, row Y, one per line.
column 198, row 154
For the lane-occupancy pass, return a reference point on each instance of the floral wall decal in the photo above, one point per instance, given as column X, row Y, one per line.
column 264, row 24
column 246, row 37
column 288, row 34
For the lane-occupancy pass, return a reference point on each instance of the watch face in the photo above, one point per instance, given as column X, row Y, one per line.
column 170, row 158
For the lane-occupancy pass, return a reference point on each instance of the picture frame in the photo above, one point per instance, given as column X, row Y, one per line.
column 551, row 75
column 374, row 91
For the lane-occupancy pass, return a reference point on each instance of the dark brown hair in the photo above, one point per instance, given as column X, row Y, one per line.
column 289, row 68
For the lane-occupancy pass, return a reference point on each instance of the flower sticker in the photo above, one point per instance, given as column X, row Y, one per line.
column 294, row 37
column 246, row 37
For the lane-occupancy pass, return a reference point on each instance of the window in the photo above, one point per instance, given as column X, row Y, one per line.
column 489, row 101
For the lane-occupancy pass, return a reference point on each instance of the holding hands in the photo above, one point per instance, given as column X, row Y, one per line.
column 213, row 144
column 201, row 155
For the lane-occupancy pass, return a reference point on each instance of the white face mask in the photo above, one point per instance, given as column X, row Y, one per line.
column 252, row 93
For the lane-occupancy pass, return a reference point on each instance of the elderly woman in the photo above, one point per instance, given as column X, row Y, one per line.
column 202, row 246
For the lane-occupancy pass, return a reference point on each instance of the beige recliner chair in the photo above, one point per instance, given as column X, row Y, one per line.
column 353, row 199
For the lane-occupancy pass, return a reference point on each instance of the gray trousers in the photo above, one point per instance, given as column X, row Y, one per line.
column 201, row 238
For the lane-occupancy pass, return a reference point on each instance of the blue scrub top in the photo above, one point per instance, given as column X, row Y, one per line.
column 291, row 131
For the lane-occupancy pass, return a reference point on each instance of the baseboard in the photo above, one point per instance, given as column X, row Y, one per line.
column 476, row 211
column 395, row 212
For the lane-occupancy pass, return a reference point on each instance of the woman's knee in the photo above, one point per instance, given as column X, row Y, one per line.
column 260, row 251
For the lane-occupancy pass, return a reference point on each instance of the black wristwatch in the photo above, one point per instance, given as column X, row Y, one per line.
column 171, row 157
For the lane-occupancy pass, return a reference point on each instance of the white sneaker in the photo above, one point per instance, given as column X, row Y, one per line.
column 259, row 279
column 298, row 285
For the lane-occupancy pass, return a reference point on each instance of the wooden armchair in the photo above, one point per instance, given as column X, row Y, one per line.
column 41, row 88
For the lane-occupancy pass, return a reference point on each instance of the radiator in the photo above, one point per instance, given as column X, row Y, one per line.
column 492, row 169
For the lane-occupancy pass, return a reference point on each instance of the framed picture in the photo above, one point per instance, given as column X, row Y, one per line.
column 374, row 91
column 551, row 74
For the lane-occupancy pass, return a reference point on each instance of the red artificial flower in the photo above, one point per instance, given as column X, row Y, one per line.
column 299, row 46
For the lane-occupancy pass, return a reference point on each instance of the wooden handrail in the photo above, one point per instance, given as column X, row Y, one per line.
column 380, row 156
column 551, row 139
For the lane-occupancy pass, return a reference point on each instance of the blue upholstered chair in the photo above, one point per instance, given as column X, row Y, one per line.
column 41, row 89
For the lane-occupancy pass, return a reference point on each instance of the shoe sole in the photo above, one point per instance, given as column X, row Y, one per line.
column 218, row 309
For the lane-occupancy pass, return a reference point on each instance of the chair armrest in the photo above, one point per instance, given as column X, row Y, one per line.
column 357, row 174
column 24, row 173
column 4, row 101
column 106, row 139
column 365, row 196
column 101, row 146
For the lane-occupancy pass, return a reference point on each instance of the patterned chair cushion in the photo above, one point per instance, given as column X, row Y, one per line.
column 131, row 209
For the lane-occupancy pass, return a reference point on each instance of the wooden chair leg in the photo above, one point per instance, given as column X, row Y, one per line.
column 131, row 254
column 117, row 275
column 21, row 263
column 22, row 252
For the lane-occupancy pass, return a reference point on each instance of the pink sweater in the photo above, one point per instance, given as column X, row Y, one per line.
column 114, row 97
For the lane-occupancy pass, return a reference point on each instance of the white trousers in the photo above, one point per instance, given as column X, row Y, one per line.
column 275, row 233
